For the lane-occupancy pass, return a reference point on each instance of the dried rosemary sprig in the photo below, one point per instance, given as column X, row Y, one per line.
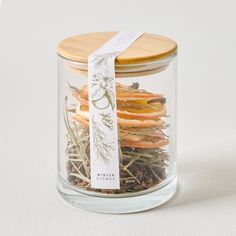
column 77, row 147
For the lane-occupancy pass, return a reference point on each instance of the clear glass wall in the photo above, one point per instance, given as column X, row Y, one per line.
column 146, row 111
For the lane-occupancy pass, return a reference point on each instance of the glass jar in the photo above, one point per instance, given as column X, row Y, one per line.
column 146, row 120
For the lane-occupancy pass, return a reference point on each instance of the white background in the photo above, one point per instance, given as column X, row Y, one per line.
column 206, row 33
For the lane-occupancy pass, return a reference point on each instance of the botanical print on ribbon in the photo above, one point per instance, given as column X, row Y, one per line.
column 104, row 151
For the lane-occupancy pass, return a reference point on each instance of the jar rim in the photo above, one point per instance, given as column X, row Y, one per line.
column 124, row 70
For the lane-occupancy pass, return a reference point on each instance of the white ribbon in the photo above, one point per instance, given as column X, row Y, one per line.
column 104, row 151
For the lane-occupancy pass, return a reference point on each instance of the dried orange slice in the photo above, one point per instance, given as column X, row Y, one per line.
column 122, row 93
column 145, row 144
column 83, row 117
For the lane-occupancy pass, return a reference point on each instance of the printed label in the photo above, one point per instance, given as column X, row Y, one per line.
column 104, row 146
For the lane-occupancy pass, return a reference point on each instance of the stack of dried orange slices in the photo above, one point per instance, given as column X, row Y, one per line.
column 139, row 115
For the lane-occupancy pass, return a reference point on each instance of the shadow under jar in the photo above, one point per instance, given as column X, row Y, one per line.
column 146, row 120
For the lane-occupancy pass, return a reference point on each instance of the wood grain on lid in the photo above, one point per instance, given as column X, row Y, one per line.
column 147, row 48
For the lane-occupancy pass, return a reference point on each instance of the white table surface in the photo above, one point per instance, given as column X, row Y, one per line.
column 205, row 203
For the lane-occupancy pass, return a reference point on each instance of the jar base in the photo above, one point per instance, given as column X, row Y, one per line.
column 117, row 205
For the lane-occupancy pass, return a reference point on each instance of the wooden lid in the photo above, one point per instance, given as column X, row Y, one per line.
column 147, row 48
